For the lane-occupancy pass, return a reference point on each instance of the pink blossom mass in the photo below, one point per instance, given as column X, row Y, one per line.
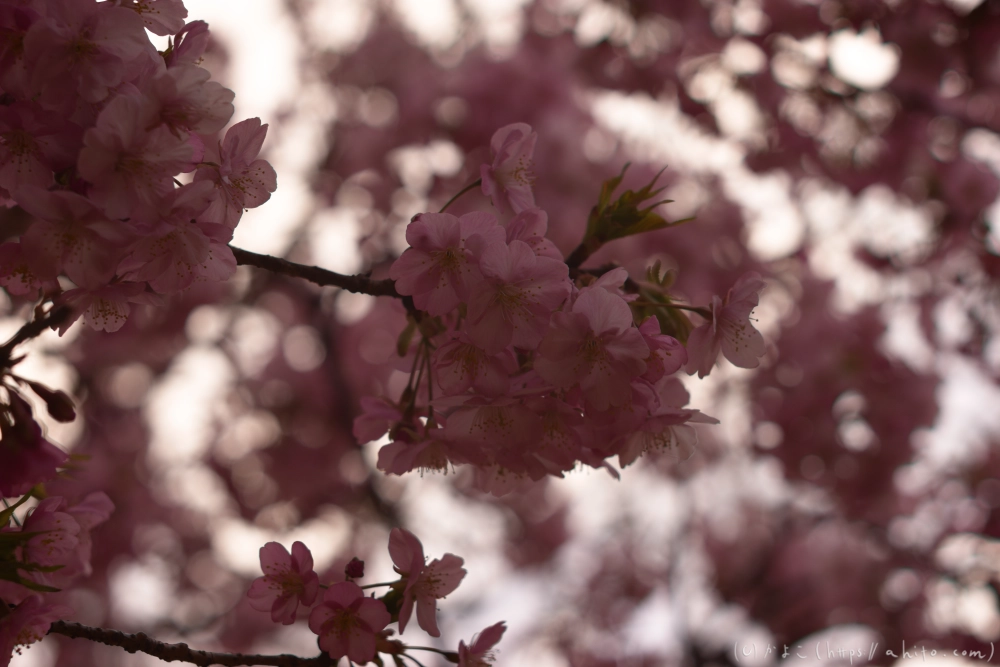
column 625, row 332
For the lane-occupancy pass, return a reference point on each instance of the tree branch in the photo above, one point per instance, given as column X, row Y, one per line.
column 356, row 284
column 181, row 652
column 31, row 330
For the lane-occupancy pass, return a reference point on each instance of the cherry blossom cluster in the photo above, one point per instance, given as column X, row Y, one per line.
column 350, row 624
column 95, row 127
column 46, row 552
column 521, row 372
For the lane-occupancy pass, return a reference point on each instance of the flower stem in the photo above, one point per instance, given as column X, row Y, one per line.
column 461, row 192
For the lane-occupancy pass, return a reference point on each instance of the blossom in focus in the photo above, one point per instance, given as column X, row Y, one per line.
column 459, row 364
column 242, row 180
column 729, row 330
column 26, row 624
column 480, row 653
column 507, row 181
column 530, row 226
column 348, row 623
column 425, row 583
column 595, row 345
column 514, row 301
column 437, row 270
column 289, row 580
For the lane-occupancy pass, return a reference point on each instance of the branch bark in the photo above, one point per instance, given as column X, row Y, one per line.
column 141, row 643
column 314, row 274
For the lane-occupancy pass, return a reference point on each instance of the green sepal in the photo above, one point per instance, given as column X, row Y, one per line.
column 406, row 337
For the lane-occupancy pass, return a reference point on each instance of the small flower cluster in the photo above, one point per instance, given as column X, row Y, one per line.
column 520, row 371
column 95, row 125
column 46, row 552
column 349, row 624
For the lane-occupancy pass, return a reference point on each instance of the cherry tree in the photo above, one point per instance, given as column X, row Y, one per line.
column 715, row 411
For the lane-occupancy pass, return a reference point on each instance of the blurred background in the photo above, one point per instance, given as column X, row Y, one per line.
column 845, row 149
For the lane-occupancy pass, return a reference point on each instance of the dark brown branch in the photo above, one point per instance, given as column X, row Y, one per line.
column 181, row 652
column 356, row 284
column 31, row 330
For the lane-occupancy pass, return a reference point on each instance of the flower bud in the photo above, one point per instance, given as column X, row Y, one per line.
column 355, row 569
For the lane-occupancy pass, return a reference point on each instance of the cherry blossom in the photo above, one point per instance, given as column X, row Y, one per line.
column 288, row 581
column 27, row 456
column 86, row 47
column 74, row 236
column 243, row 181
column 348, row 623
column 459, row 365
column 516, row 297
column 530, row 226
column 161, row 17
column 26, row 624
column 437, row 270
column 507, row 181
column 129, row 159
column 729, row 330
column 425, row 584
column 596, row 345
column 480, row 653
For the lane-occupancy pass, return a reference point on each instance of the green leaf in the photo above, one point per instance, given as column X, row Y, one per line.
column 9, row 512
column 626, row 215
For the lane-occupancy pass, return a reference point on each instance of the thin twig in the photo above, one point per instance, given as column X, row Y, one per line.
column 461, row 192
column 141, row 643
column 357, row 284
column 31, row 330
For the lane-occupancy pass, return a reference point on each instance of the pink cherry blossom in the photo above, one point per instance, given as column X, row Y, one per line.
column 288, row 581
column 130, row 160
column 177, row 249
column 508, row 180
column 187, row 101
column 26, row 624
column 160, row 17
column 530, row 226
column 72, row 235
column 90, row 48
column 613, row 282
column 348, row 623
column 425, row 449
column 28, row 458
column 189, row 45
column 665, row 432
column 437, row 270
column 514, row 301
column 666, row 354
column 459, row 365
column 33, row 143
column 242, row 180
column 105, row 308
column 480, row 653
column 595, row 345
column 425, row 584
column 377, row 416
column 501, row 422
column 64, row 537
column 19, row 275
column 729, row 330
column 57, row 538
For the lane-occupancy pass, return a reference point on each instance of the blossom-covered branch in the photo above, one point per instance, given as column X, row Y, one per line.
column 141, row 643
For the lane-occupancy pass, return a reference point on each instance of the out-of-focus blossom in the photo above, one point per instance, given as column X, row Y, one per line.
column 507, row 181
